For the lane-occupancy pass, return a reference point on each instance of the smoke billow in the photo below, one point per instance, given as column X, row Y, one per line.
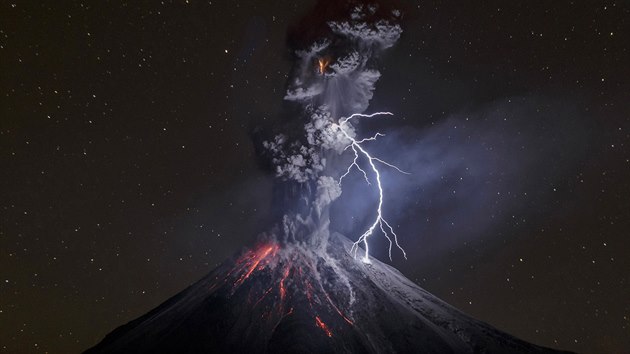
column 348, row 46
column 335, row 51
column 465, row 170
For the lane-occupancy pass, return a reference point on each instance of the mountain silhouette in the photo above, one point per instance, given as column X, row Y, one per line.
column 285, row 298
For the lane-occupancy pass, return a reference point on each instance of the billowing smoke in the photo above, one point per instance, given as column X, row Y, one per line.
column 336, row 72
column 335, row 51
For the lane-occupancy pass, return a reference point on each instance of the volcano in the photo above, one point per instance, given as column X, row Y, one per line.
column 287, row 298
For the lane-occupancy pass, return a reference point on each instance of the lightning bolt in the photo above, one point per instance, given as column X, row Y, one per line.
column 359, row 150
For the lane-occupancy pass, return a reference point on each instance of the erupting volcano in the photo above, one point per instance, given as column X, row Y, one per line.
column 305, row 288
column 289, row 299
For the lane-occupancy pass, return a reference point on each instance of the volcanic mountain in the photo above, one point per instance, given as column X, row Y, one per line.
column 287, row 298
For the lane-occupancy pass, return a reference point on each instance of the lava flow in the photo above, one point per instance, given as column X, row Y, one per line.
column 293, row 281
column 252, row 260
column 323, row 326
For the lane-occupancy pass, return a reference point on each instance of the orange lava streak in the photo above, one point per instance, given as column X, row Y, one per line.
column 283, row 291
column 257, row 258
column 337, row 309
column 322, row 325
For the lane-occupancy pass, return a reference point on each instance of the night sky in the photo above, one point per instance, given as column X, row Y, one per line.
column 128, row 171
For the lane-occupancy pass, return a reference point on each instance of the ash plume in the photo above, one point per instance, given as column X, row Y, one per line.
column 349, row 46
column 335, row 51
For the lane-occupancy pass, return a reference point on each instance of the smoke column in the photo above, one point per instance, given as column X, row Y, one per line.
column 332, row 82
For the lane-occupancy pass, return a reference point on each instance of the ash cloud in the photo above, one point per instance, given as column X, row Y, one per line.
column 467, row 172
column 335, row 51
column 351, row 44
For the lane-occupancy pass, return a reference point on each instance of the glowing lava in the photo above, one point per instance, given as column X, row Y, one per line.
column 337, row 309
column 283, row 291
column 252, row 260
column 294, row 282
column 322, row 325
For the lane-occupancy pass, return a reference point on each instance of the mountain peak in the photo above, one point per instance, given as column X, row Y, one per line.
column 287, row 298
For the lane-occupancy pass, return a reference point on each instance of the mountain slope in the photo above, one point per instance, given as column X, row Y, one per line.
column 289, row 299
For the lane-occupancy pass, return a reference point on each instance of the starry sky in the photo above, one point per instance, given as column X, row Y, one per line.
column 128, row 172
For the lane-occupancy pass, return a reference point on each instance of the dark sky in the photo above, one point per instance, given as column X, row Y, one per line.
column 127, row 170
